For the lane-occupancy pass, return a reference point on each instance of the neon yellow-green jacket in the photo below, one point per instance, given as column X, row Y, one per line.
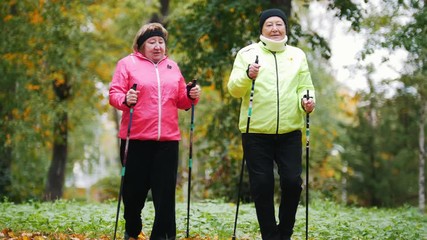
column 282, row 81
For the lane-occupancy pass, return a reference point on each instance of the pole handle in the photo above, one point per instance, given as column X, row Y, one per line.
column 134, row 88
column 190, row 86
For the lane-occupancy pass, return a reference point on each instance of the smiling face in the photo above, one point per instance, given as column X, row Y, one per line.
column 274, row 28
column 154, row 48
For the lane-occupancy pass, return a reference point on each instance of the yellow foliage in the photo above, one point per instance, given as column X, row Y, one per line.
column 330, row 173
column 326, row 172
column 63, row 10
column 8, row 139
column 32, row 42
column 50, row 95
column 395, row 171
column 377, row 164
column 48, row 144
column 19, row 58
column 209, row 73
column 350, row 171
column 36, row 128
column 59, row 78
column 349, row 103
column 15, row 113
column 385, row 155
column 26, row 114
column 100, row 70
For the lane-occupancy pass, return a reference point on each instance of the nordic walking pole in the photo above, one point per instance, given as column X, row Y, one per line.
column 190, row 155
column 307, row 156
column 124, row 165
column 242, row 170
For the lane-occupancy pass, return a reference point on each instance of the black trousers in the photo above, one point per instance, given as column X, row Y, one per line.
column 261, row 151
column 150, row 165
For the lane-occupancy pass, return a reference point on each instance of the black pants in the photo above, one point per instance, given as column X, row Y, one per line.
column 150, row 165
column 261, row 151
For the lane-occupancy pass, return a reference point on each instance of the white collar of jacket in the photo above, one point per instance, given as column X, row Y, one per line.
column 273, row 45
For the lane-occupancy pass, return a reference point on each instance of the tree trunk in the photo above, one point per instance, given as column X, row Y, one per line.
column 285, row 5
column 5, row 168
column 5, row 160
column 164, row 11
column 6, row 149
column 422, row 157
column 373, row 124
column 56, row 174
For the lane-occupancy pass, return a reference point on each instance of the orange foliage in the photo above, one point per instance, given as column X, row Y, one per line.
column 47, row 133
column 204, row 38
column 59, row 82
column 7, row 18
column 21, row 58
column 326, row 172
column 33, row 87
column 8, row 233
column 59, row 78
column 10, row 56
column 35, row 17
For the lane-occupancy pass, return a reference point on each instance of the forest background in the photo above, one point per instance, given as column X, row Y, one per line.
column 58, row 132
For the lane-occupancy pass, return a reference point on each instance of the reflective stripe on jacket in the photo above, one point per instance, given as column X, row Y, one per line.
column 162, row 92
column 282, row 81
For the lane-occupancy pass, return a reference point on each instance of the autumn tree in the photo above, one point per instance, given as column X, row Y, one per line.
column 395, row 26
column 54, row 61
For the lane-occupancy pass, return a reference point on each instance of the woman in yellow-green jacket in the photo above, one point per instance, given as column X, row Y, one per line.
column 281, row 76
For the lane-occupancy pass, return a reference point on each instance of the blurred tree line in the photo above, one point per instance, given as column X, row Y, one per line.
column 57, row 58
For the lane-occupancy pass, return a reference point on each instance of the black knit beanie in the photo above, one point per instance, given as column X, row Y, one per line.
column 270, row 13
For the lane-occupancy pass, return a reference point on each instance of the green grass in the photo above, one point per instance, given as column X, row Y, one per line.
column 214, row 220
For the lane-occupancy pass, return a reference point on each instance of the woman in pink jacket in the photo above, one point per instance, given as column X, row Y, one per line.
column 152, row 159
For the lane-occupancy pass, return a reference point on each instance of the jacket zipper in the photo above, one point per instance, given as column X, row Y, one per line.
column 277, row 93
column 159, row 103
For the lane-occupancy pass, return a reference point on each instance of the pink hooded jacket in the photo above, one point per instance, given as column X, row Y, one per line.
column 162, row 92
